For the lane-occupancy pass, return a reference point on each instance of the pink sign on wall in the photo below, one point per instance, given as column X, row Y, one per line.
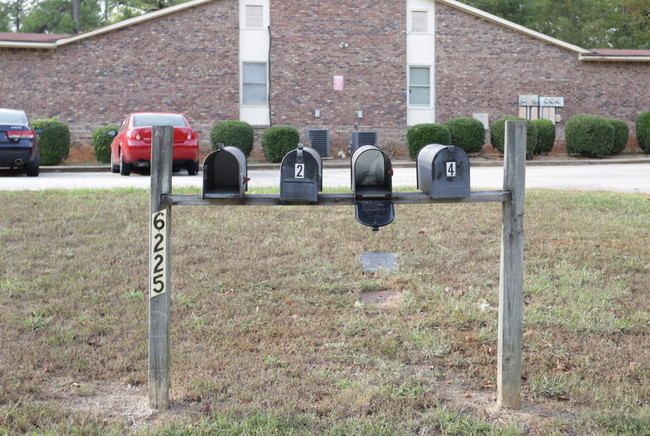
column 338, row 83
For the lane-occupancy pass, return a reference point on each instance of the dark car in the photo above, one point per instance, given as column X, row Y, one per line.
column 18, row 142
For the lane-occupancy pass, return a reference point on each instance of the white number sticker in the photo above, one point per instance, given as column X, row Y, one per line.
column 158, row 254
column 300, row 171
column 451, row 169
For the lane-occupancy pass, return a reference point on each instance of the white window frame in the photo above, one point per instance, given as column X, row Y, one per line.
column 266, row 84
column 428, row 24
column 408, row 75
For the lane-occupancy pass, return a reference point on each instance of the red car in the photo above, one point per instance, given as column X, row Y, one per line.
column 131, row 147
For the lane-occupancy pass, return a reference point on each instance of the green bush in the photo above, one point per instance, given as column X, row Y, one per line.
column 498, row 135
column 424, row 134
column 589, row 135
column 278, row 141
column 642, row 126
column 545, row 136
column 234, row 133
column 621, row 135
column 102, row 143
column 54, row 142
column 467, row 134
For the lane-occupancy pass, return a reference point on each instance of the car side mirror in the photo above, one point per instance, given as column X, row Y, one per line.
column 111, row 133
column 38, row 130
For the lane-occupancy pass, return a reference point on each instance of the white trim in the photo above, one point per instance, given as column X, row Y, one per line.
column 592, row 58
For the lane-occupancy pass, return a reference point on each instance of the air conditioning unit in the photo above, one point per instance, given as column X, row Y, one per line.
column 360, row 138
column 319, row 140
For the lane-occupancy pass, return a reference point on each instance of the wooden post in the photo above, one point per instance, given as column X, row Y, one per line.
column 160, row 266
column 511, row 280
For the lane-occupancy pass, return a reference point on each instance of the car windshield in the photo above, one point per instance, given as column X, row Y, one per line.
column 147, row 120
column 12, row 117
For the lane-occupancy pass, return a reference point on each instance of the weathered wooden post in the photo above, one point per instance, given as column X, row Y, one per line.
column 512, row 268
column 160, row 266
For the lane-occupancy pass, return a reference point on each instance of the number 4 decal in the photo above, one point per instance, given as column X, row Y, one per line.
column 451, row 169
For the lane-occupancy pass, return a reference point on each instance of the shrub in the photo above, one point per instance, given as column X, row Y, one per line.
column 54, row 142
column 467, row 134
column 642, row 126
column 278, row 141
column 498, row 135
column 424, row 134
column 545, row 136
column 589, row 135
column 102, row 143
column 621, row 135
column 234, row 133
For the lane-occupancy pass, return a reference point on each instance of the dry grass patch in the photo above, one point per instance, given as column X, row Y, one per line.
column 268, row 335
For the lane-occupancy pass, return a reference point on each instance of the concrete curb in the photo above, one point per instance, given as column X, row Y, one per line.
column 345, row 163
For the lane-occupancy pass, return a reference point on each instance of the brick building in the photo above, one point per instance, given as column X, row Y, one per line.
column 381, row 66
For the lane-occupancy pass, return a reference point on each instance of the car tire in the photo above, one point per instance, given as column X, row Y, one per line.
column 192, row 168
column 32, row 170
column 125, row 168
column 114, row 168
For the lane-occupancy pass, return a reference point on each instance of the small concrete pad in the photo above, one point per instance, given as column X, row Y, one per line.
column 386, row 299
column 375, row 261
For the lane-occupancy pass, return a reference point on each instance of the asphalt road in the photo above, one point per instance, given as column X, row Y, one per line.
column 631, row 178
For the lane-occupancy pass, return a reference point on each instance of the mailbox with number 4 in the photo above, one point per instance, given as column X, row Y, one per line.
column 443, row 171
column 301, row 175
column 372, row 184
column 225, row 173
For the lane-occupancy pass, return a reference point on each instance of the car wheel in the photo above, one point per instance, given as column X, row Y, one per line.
column 192, row 168
column 114, row 168
column 125, row 168
column 32, row 170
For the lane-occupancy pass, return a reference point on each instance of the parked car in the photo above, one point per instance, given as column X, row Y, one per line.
column 18, row 142
column 131, row 147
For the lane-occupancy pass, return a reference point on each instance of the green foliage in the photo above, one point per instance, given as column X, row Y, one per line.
column 102, row 143
column 498, row 135
column 424, row 134
column 642, row 126
column 467, row 134
column 233, row 133
column 278, row 141
column 545, row 136
column 621, row 135
column 589, row 135
column 55, row 16
column 54, row 142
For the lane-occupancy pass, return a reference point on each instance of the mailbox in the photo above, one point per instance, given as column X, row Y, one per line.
column 225, row 173
column 443, row 171
column 301, row 175
column 372, row 184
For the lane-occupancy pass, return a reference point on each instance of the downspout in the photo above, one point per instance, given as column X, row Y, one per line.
column 269, row 76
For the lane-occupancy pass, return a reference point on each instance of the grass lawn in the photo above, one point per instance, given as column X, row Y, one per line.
column 269, row 335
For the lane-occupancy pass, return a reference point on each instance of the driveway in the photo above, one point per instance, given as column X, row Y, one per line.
column 631, row 178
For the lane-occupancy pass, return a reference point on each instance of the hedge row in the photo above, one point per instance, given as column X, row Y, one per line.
column 54, row 142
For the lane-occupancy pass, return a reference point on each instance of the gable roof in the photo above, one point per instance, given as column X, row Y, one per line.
column 51, row 41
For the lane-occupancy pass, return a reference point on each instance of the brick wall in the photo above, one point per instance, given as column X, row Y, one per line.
column 185, row 62
column 483, row 67
column 305, row 56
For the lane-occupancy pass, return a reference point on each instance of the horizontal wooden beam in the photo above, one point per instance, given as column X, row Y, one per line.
column 330, row 199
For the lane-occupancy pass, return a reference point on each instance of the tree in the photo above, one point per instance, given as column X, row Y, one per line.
column 56, row 16
column 14, row 12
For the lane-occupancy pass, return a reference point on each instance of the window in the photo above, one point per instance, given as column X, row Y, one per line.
column 254, row 16
column 419, row 86
column 254, row 83
column 419, row 21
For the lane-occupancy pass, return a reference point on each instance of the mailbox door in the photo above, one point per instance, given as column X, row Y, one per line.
column 450, row 174
column 301, row 181
column 374, row 213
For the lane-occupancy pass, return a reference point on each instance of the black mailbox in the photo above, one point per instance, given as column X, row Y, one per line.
column 225, row 173
column 443, row 171
column 372, row 184
column 301, row 175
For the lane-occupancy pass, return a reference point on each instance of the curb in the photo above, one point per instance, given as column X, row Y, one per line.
column 345, row 163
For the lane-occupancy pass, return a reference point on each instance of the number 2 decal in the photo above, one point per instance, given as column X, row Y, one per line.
column 158, row 254
column 300, row 171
